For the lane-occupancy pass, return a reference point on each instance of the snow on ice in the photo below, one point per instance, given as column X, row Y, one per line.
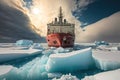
column 6, row 55
column 106, row 57
column 5, row 69
column 25, row 43
column 67, row 77
column 37, row 46
column 109, row 75
column 107, row 60
column 62, row 50
column 72, row 61
column 10, row 52
column 101, row 43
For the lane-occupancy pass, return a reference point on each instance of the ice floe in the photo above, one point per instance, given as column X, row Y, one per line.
column 72, row 61
column 67, row 77
column 109, row 75
column 25, row 43
column 7, row 54
column 107, row 60
column 5, row 69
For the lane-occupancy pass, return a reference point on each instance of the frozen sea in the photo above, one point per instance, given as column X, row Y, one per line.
column 34, row 67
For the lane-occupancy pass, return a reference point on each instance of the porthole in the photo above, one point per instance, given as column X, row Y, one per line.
column 55, row 42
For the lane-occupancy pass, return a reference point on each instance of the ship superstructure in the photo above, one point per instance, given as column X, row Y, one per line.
column 60, row 33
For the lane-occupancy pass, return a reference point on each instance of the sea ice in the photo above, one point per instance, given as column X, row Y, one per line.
column 72, row 61
column 37, row 46
column 67, row 77
column 5, row 69
column 7, row 54
column 32, row 70
column 54, row 75
column 79, row 46
column 62, row 50
column 101, row 43
column 25, row 43
column 107, row 48
column 109, row 75
column 53, row 50
column 48, row 52
column 107, row 60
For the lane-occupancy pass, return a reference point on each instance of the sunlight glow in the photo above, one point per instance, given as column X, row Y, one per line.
column 35, row 11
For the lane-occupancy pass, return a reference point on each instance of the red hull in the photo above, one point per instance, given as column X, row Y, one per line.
column 60, row 40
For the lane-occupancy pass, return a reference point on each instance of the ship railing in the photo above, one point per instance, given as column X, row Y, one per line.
column 73, row 34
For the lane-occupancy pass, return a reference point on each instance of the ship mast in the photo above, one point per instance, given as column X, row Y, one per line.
column 60, row 15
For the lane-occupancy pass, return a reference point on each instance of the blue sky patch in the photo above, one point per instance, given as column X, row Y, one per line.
column 97, row 11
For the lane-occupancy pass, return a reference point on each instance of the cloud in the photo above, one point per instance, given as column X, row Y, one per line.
column 50, row 9
column 97, row 10
column 14, row 23
column 16, row 18
column 107, row 29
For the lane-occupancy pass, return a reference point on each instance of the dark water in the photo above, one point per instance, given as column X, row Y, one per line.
column 33, row 68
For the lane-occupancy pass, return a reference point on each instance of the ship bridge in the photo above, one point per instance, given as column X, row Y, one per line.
column 60, row 25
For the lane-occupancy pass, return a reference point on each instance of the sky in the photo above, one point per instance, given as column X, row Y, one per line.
column 94, row 20
column 97, row 10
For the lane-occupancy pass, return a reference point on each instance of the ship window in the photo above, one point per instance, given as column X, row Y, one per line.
column 68, row 42
column 65, row 41
column 55, row 42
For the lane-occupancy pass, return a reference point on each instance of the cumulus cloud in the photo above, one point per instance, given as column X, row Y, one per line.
column 107, row 29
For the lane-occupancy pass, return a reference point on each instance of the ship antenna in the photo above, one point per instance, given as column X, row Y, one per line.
column 60, row 15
